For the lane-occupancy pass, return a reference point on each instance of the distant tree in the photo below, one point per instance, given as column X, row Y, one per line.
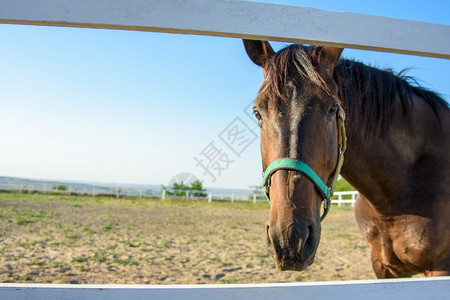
column 179, row 189
column 59, row 187
column 180, row 186
column 197, row 185
column 197, row 189
column 343, row 186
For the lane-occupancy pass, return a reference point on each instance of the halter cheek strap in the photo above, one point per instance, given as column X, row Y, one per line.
column 308, row 172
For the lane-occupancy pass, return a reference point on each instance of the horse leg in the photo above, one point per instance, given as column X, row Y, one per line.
column 364, row 213
column 382, row 271
column 383, row 256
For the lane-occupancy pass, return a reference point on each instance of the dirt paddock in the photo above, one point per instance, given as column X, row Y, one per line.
column 57, row 239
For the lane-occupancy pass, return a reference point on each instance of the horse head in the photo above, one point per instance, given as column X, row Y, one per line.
column 302, row 141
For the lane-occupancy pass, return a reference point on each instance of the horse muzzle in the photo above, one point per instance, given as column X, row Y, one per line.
column 293, row 247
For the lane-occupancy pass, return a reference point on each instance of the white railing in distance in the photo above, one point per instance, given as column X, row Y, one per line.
column 340, row 200
column 44, row 188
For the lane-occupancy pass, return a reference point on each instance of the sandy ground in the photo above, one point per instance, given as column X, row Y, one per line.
column 52, row 239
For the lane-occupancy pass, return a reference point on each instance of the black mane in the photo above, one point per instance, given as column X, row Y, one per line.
column 370, row 94
column 367, row 93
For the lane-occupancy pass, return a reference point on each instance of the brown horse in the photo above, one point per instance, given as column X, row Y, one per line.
column 398, row 158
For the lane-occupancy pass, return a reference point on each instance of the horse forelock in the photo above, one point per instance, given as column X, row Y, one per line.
column 277, row 71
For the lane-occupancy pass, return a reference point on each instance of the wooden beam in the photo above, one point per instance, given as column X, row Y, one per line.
column 240, row 19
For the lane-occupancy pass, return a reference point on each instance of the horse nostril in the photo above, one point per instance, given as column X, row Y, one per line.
column 269, row 238
column 268, row 234
column 310, row 235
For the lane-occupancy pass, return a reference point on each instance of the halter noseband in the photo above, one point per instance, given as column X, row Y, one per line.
column 304, row 169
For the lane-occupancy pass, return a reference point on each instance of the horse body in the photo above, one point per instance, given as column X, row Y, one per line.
column 402, row 245
column 402, row 209
column 398, row 158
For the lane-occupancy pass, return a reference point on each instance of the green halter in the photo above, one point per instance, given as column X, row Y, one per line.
column 304, row 169
column 296, row 165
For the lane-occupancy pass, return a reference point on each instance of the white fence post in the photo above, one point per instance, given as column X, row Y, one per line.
column 163, row 195
column 209, row 197
column 254, row 198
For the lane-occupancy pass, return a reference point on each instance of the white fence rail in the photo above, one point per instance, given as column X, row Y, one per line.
column 232, row 18
column 411, row 289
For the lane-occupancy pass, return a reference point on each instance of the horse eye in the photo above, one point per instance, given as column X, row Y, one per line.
column 257, row 115
column 333, row 109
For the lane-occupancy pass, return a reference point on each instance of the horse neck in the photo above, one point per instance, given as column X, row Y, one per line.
column 385, row 169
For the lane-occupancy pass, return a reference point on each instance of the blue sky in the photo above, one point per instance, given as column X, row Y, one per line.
column 137, row 107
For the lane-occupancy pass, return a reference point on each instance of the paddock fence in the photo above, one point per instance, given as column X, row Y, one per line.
column 339, row 198
column 239, row 19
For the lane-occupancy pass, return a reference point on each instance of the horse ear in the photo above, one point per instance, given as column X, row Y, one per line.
column 327, row 58
column 259, row 51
